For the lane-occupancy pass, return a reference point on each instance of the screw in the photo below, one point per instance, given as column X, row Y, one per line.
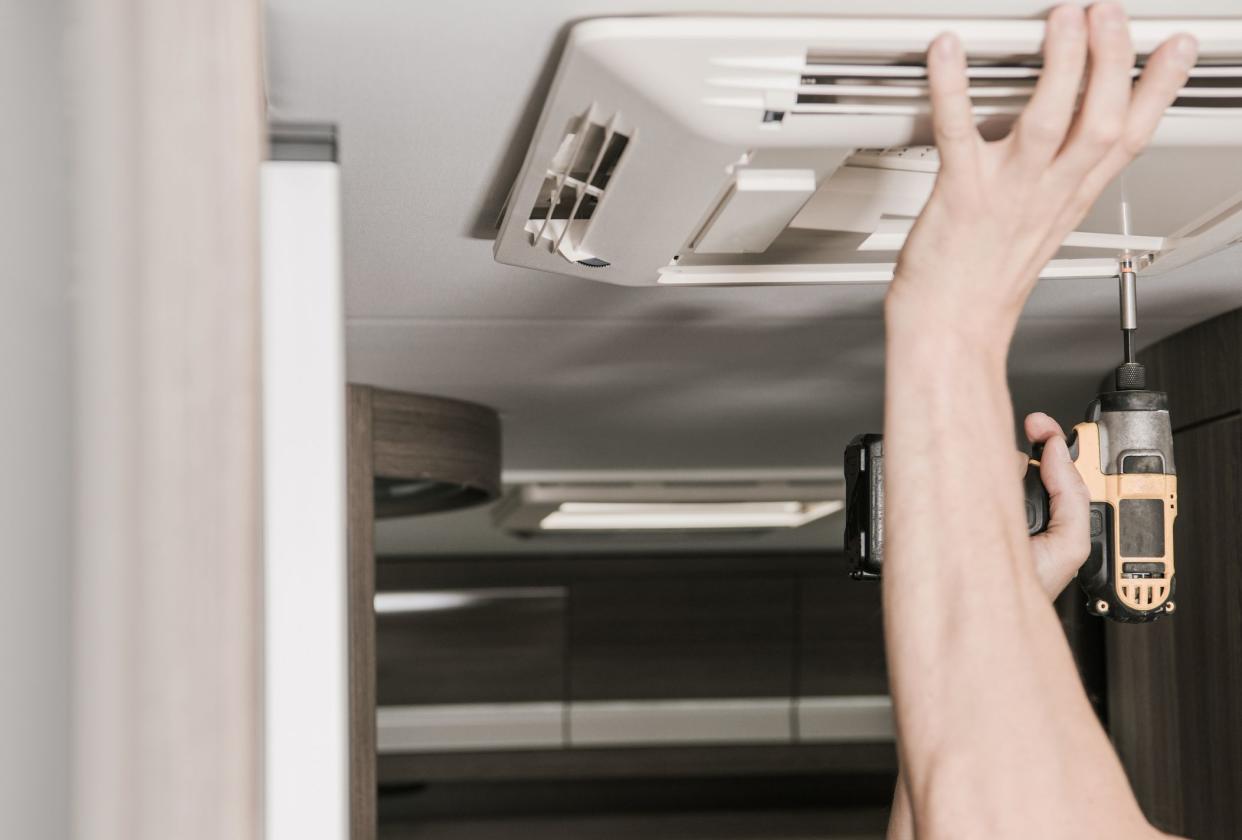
column 1101, row 606
column 1169, row 607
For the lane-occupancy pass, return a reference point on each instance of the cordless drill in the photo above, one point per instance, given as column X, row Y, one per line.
column 1124, row 453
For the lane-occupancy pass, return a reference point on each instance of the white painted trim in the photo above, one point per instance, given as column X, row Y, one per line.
column 306, row 682
column 890, row 235
column 841, row 273
column 463, row 726
column 846, row 718
column 745, row 720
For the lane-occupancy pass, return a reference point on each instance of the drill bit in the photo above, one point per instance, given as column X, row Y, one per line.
column 1131, row 375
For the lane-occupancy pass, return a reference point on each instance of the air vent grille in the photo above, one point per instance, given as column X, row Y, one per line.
column 1143, row 595
column 573, row 187
column 834, row 85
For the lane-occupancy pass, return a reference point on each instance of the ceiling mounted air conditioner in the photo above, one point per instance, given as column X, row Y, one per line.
column 719, row 150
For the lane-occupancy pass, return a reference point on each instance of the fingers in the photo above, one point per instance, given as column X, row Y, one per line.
column 1163, row 77
column 953, row 122
column 1022, row 463
column 1061, row 479
column 1105, row 108
column 1068, row 536
column 1041, row 128
column 1056, row 469
column 1061, row 549
column 1039, row 427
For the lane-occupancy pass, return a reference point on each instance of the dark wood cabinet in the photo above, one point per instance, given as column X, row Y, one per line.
column 670, row 638
column 1174, row 687
column 627, row 645
column 841, row 635
column 501, row 645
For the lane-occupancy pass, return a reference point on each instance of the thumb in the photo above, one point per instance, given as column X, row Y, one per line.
column 1068, row 539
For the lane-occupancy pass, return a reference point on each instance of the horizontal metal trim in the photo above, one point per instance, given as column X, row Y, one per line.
column 838, row 719
column 748, row 720
column 462, row 726
column 506, row 726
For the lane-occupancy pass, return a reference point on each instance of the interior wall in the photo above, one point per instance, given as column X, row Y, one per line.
column 168, row 109
column 35, row 431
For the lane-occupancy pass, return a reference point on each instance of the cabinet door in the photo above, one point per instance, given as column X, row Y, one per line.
column 842, row 638
column 470, row 646
column 682, row 638
column 1173, row 687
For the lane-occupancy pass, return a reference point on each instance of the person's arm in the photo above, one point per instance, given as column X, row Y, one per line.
column 1056, row 554
column 995, row 733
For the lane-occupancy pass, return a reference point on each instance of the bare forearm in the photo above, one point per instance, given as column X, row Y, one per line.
column 948, row 423
column 995, row 733
column 956, row 559
column 970, row 633
column 901, row 816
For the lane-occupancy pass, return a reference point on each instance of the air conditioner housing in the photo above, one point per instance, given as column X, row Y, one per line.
column 727, row 150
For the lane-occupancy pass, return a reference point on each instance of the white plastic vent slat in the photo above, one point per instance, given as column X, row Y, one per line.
column 1014, row 71
column 828, row 84
column 914, row 109
column 867, row 87
column 989, row 92
column 909, row 91
column 573, row 186
column 914, row 71
column 888, row 108
column 852, row 85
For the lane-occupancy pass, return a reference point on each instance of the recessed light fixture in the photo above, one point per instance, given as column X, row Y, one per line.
column 678, row 516
column 667, row 502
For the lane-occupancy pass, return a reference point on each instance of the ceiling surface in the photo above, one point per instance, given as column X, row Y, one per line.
column 435, row 104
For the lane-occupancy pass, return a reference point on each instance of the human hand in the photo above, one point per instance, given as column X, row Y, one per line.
column 1059, row 551
column 1000, row 210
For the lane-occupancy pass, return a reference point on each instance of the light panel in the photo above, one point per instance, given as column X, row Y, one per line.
column 678, row 516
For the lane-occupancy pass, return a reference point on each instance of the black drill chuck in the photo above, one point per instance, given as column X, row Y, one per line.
column 1131, row 376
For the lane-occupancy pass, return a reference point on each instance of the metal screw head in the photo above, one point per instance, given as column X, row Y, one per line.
column 1101, row 606
column 1169, row 606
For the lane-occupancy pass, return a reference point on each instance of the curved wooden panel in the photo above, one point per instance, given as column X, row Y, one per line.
column 432, row 454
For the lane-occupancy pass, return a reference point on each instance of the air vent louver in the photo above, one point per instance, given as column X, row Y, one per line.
column 584, row 164
column 836, row 84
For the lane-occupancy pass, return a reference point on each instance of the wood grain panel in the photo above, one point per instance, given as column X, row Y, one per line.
column 361, row 599
column 645, row 639
column 499, row 646
column 841, row 638
column 1198, row 368
column 1085, row 633
column 448, row 440
column 1173, row 687
column 1143, row 714
column 1207, row 630
column 555, row 568
column 651, row 762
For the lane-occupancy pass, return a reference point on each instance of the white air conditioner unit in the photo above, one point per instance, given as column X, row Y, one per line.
column 720, row 150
